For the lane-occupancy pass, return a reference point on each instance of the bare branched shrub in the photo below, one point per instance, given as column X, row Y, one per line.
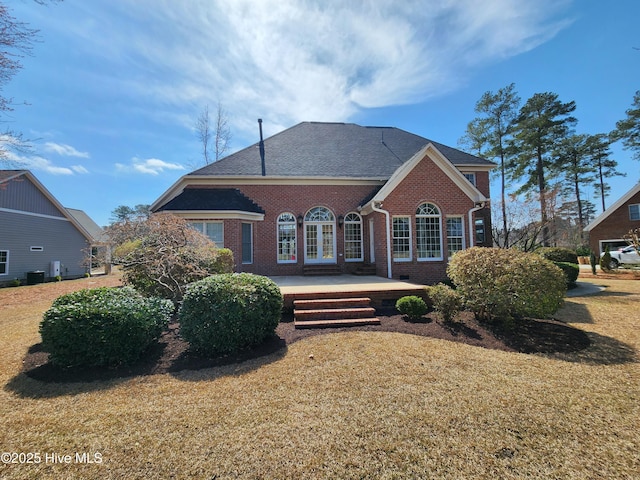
column 160, row 255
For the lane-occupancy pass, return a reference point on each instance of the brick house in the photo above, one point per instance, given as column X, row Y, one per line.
column 340, row 198
column 611, row 225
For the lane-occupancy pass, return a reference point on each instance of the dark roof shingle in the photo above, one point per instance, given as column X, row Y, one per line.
column 214, row 199
column 313, row 149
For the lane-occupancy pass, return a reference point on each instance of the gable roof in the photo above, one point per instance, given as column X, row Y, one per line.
column 441, row 161
column 218, row 199
column 346, row 150
column 7, row 175
column 97, row 233
column 619, row 203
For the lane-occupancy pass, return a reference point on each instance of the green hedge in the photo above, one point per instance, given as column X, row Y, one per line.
column 102, row 326
column 558, row 254
column 226, row 313
column 505, row 284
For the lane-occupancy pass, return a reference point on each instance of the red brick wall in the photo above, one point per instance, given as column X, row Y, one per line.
column 426, row 183
column 615, row 226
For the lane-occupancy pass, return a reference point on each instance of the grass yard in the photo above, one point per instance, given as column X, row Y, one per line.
column 343, row 405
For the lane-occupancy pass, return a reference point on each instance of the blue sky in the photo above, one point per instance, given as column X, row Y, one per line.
column 113, row 87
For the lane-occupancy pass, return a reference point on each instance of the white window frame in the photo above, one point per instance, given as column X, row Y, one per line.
column 353, row 220
column 451, row 237
column 5, row 263
column 471, row 176
column 290, row 222
column 201, row 226
column 407, row 218
column 421, row 214
column 634, row 216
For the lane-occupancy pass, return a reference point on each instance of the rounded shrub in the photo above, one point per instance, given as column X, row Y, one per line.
column 570, row 270
column 504, row 284
column 412, row 306
column 558, row 254
column 228, row 312
column 102, row 326
column 446, row 301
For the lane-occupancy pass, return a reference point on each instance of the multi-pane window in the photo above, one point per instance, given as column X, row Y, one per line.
column 353, row 237
column 471, row 177
column 401, row 238
column 213, row 230
column 428, row 233
column 247, row 243
column 634, row 212
column 4, row 262
column 455, row 235
column 286, row 238
column 480, row 237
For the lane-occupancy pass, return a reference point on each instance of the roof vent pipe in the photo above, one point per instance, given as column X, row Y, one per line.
column 264, row 170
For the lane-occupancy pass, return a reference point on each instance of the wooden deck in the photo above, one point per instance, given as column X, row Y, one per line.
column 381, row 291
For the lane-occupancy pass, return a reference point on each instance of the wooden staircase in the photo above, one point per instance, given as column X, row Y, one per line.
column 334, row 312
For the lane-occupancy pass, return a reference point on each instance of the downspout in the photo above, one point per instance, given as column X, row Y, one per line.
column 478, row 206
column 388, row 224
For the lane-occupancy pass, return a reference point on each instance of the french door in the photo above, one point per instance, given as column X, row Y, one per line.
column 319, row 236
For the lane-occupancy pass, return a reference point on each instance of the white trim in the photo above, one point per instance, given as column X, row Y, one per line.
column 33, row 214
column 410, row 258
column 295, row 230
column 464, row 243
column 218, row 215
column 53, row 200
column 378, row 208
column 621, row 201
column 344, row 234
column 440, row 161
column 441, row 224
column 6, row 264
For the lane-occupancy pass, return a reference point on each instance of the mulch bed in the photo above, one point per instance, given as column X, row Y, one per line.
column 171, row 353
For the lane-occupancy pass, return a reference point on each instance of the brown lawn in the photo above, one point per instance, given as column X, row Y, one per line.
column 350, row 404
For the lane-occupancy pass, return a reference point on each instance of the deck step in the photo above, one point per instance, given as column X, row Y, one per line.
column 333, row 313
column 338, row 322
column 311, row 270
column 331, row 303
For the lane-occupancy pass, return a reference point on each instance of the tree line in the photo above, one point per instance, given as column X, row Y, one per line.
column 542, row 157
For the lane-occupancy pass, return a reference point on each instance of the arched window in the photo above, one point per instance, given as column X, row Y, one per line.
column 428, row 232
column 319, row 214
column 353, row 237
column 287, row 244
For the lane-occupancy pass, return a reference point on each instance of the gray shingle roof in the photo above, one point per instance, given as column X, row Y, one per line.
column 212, row 199
column 312, row 149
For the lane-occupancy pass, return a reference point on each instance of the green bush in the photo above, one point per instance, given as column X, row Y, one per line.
column 446, row 301
column 228, row 312
column 102, row 326
column 570, row 270
column 505, row 284
column 583, row 251
column 558, row 254
column 412, row 306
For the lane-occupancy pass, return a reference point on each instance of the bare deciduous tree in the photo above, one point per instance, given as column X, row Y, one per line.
column 219, row 133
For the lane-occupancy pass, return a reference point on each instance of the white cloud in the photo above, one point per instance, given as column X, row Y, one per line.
column 64, row 150
column 292, row 60
column 79, row 169
column 150, row 166
column 37, row 163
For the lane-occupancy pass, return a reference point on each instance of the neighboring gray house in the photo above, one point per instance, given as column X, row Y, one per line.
column 37, row 234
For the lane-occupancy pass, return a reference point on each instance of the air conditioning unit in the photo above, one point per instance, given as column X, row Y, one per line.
column 54, row 269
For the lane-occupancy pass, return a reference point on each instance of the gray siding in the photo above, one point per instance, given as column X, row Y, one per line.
column 20, row 194
column 59, row 238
